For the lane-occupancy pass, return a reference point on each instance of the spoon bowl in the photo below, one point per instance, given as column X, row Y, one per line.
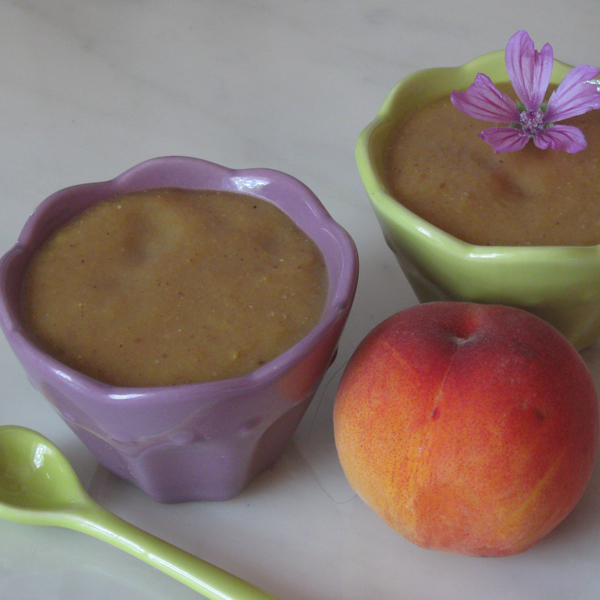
column 36, row 480
column 38, row 486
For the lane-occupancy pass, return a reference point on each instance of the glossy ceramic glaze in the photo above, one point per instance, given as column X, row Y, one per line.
column 560, row 284
column 199, row 441
column 38, row 486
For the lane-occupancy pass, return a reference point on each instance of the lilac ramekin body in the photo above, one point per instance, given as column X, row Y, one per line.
column 202, row 441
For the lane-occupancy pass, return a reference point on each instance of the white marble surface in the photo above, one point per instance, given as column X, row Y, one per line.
column 88, row 89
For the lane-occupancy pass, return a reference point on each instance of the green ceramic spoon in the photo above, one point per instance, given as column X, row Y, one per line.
column 38, row 486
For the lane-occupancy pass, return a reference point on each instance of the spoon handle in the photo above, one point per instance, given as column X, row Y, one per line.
column 201, row 576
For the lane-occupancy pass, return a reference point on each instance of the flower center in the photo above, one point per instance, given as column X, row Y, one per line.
column 532, row 121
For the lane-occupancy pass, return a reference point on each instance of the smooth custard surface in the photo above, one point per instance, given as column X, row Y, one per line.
column 440, row 169
column 173, row 286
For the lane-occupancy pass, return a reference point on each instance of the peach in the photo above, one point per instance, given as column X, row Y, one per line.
column 467, row 428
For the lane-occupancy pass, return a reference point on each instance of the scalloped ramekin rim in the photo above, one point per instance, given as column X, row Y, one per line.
column 338, row 298
column 374, row 183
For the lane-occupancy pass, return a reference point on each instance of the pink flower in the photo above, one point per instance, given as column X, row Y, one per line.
column 529, row 72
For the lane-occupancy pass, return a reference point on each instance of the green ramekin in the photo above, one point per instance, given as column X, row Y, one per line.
column 561, row 284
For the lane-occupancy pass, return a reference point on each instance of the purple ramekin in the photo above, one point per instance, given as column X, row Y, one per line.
column 202, row 441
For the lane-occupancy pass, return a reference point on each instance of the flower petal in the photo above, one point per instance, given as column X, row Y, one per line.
column 482, row 100
column 529, row 70
column 561, row 137
column 504, row 139
column 574, row 96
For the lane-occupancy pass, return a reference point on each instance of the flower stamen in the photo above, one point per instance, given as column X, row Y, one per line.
column 532, row 121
